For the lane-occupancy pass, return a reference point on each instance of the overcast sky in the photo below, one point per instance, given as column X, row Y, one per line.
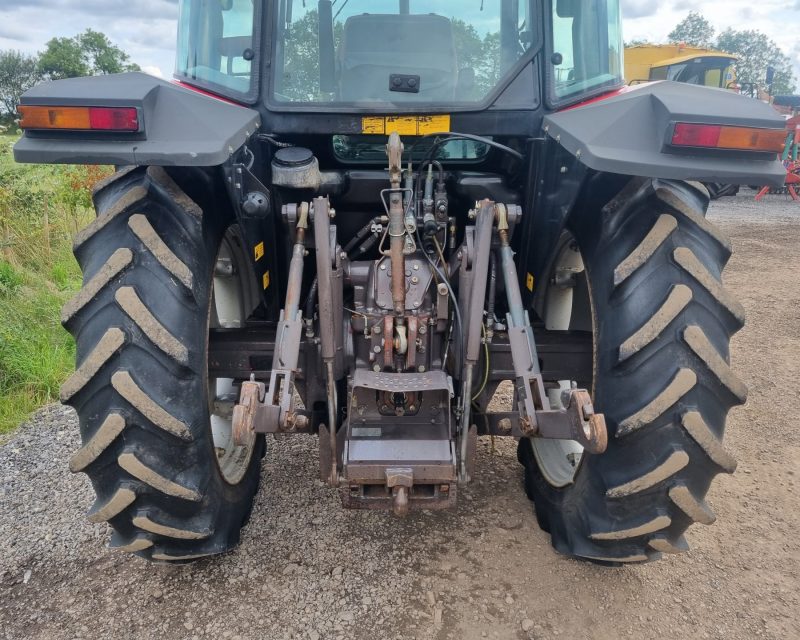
column 146, row 28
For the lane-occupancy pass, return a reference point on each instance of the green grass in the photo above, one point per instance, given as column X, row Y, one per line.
column 41, row 207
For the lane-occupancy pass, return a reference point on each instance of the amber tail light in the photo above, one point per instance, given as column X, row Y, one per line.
column 79, row 118
column 707, row 136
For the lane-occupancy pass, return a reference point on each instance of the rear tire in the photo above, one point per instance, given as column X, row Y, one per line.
column 662, row 324
column 141, row 386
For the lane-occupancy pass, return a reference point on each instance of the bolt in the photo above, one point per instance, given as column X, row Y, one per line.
column 376, row 329
column 422, row 330
column 504, row 426
column 412, row 408
column 442, row 289
column 377, row 368
column 376, row 349
column 383, row 266
column 471, row 215
column 343, row 255
column 416, row 267
column 332, row 213
column 417, row 303
column 414, row 280
column 421, row 368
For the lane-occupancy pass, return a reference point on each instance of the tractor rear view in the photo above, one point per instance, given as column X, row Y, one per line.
column 357, row 219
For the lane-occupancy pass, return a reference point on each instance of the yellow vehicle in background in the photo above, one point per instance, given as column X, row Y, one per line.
column 681, row 63
column 691, row 65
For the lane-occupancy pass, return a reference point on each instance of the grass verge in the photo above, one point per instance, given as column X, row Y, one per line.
column 41, row 207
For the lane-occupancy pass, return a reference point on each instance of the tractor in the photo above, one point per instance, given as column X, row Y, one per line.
column 357, row 220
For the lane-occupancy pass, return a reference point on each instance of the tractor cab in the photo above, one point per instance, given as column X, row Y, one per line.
column 680, row 63
column 367, row 55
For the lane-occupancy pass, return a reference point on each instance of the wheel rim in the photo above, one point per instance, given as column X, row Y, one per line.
column 228, row 310
column 559, row 460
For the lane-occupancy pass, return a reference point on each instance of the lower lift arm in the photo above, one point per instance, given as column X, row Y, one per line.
column 536, row 418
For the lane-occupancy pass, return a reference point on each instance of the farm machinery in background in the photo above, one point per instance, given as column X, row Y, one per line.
column 791, row 160
column 680, row 63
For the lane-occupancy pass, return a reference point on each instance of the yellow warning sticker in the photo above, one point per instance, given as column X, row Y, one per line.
column 529, row 282
column 265, row 279
column 373, row 125
column 432, row 124
column 405, row 125
column 259, row 251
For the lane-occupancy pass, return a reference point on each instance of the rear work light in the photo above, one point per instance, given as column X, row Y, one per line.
column 79, row 118
column 710, row 136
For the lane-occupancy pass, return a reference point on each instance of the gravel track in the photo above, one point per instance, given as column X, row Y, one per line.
column 308, row 569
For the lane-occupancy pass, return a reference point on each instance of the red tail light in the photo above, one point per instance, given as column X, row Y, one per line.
column 79, row 118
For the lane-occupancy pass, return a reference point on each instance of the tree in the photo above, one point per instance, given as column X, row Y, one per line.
column 63, row 58
column 756, row 52
column 694, row 30
column 88, row 53
column 18, row 73
column 105, row 57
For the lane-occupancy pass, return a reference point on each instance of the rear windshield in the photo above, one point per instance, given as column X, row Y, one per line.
column 379, row 52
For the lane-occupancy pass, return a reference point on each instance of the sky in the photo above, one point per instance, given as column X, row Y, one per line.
column 146, row 29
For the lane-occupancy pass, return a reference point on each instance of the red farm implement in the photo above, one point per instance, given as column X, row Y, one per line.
column 790, row 161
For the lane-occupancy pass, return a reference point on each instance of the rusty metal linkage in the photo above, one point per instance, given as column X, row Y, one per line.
column 397, row 228
column 578, row 421
column 273, row 410
column 479, row 276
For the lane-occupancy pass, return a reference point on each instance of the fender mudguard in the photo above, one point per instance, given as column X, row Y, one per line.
column 178, row 127
column 630, row 134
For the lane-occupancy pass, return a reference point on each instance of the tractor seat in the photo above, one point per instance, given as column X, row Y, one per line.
column 375, row 46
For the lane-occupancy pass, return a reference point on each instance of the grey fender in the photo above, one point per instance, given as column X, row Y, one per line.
column 631, row 133
column 178, row 127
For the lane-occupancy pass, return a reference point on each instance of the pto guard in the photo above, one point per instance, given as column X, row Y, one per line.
column 629, row 134
column 180, row 127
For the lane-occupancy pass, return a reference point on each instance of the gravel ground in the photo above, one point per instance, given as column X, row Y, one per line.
column 308, row 569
